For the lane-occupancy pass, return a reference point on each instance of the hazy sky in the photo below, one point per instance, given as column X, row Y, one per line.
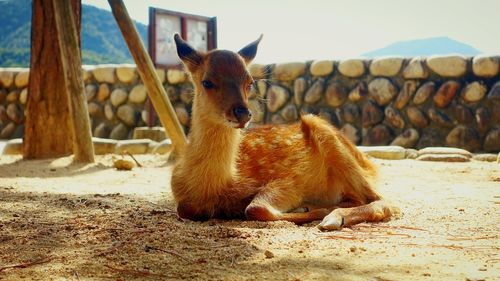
column 297, row 30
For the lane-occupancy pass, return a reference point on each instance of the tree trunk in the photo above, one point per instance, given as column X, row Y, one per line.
column 48, row 130
column 67, row 33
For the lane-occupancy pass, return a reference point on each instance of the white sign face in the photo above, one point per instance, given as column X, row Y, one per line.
column 197, row 33
column 165, row 50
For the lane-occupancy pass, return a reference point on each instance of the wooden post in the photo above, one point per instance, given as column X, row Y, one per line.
column 47, row 132
column 71, row 62
column 146, row 70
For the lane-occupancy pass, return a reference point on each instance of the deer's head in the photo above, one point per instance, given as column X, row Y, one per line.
column 222, row 82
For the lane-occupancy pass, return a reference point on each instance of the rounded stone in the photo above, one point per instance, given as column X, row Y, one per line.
column 12, row 97
column 485, row 66
column 15, row 147
column 262, row 87
column 23, row 97
column 313, row 95
column 3, row 114
column 90, row 91
column 358, row 92
column 494, row 94
column 446, row 93
column 258, row 71
column 408, row 139
column 382, row 90
column 392, row 152
column 415, row 69
column 102, row 131
column 109, row 112
column 15, row 113
column 424, row 92
column 95, row 110
column 3, row 95
column 161, row 74
column 483, row 119
column 351, row 133
column 6, row 78
column 443, row 158
column 182, row 115
column 257, row 110
column 485, row 157
column 463, row 137
column 431, row 137
column 394, row 118
column 119, row 132
column 463, row 114
column 321, row 67
column 277, row 96
column 22, row 79
column 104, row 74
column 164, row 147
column 388, row 66
column 187, row 94
column 350, row 113
column 103, row 92
column 127, row 74
column 288, row 71
column 444, row 151
column 172, row 93
column 416, row 117
column 127, row 114
column 8, row 130
column 277, row 119
column 492, row 141
column 86, row 76
column 378, row 135
column 405, row 94
column 176, row 76
column 299, row 87
column 138, row 94
column 439, row 118
column 335, row 94
column 473, row 92
column 371, row 114
column 104, row 145
column 352, row 67
column 290, row 113
column 118, row 97
column 448, row 66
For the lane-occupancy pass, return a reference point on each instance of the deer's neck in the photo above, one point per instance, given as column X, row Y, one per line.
column 212, row 152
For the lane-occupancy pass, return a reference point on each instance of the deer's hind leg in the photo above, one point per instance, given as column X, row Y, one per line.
column 277, row 199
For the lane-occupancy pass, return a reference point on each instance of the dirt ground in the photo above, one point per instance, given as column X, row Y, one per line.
column 62, row 221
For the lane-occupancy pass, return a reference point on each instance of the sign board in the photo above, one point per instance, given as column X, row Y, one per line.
column 199, row 31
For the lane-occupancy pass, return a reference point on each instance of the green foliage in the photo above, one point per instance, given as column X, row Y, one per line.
column 102, row 41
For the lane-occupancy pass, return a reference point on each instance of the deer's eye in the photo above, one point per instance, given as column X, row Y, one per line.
column 208, row 85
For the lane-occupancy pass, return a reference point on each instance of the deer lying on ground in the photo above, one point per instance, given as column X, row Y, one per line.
column 299, row 173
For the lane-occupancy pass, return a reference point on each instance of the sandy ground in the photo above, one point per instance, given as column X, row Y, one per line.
column 91, row 222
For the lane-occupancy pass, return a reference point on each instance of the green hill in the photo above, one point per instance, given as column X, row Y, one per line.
column 102, row 41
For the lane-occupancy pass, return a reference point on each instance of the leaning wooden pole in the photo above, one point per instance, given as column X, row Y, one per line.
column 71, row 63
column 146, row 70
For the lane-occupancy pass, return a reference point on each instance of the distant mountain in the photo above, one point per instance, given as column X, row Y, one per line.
column 425, row 47
column 102, row 41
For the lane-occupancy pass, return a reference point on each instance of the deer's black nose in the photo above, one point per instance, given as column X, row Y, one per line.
column 241, row 113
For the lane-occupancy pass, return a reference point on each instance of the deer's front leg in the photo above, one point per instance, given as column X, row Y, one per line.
column 374, row 212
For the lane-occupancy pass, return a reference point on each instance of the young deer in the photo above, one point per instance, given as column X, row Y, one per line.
column 299, row 173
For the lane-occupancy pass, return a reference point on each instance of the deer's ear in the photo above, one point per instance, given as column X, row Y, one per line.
column 189, row 56
column 249, row 51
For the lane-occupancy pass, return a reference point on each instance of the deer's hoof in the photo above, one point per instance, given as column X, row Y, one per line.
column 333, row 221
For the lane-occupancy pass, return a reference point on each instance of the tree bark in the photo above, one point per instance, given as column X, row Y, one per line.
column 47, row 127
column 67, row 33
column 155, row 89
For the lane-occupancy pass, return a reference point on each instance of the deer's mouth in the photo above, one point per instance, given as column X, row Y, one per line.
column 237, row 125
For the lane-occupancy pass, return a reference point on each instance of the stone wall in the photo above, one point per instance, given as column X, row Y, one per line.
column 411, row 102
